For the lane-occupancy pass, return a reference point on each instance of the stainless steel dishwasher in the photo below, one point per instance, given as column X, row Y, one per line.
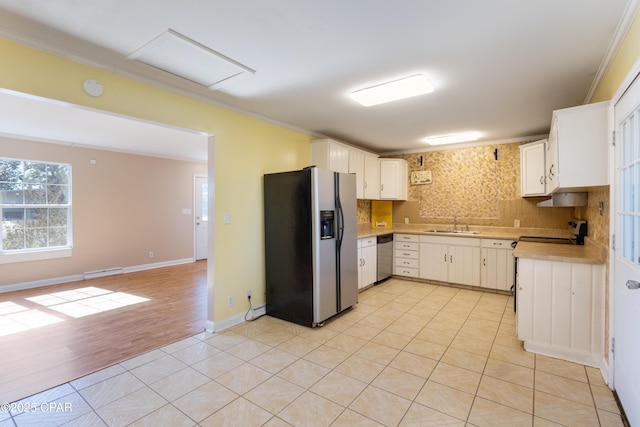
column 385, row 257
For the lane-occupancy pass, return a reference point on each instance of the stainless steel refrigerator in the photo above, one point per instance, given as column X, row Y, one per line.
column 310, row 245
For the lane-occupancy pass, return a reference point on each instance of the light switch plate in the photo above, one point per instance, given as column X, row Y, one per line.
column 227, row 218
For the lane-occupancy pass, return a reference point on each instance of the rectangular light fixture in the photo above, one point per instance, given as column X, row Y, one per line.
column 392, row 91
column 452, row 138
column 177, row 54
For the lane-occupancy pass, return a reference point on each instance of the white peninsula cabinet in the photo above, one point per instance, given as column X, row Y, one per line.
column 533, row 180
column 560, row 309
column 450, row 259
column 394, row 178
column 497, row 268
column 367, row 261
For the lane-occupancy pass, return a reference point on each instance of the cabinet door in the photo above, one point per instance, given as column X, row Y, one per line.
column 371, row 177
column 370, row 266
column 434, row 261
column 464, row 265
column 356, row 166
column 524, row 300
column 330, row 154
column 532, row 169
column 360, row 272
column 497, row 268
column 551, row 157
column 393, row 179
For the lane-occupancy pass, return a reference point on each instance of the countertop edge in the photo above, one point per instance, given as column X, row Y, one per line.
column 590, row 253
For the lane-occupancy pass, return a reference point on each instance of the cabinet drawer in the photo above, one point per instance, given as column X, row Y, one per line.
column 406, row 238
column 405, row 271
column 368, row 241
column 496, row 243
column 406, row 254
column 406, row 262
column 409, row 246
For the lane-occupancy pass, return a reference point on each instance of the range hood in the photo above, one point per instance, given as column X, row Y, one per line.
column 564, row 200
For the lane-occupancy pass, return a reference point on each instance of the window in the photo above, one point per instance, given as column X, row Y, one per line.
column 629, row 190
column 35, row 199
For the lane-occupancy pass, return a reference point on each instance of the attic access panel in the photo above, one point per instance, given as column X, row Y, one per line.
column 177, row 54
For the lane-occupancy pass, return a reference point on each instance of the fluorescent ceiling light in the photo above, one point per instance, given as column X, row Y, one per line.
column 177, row 54
column 452, row 138
column 393, row 91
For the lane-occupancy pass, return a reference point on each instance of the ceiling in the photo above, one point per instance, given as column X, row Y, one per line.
column 67, row 124
column 499, row 67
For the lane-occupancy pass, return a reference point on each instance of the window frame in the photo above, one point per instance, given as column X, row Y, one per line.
column 32, row 254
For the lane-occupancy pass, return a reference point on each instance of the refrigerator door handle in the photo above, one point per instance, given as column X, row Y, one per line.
column 340, row 218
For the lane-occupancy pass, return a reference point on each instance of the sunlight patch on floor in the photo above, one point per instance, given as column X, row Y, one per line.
column 73, row 303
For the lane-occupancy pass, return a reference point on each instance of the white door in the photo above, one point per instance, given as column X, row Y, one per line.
column 626, row 266
column 201, row 216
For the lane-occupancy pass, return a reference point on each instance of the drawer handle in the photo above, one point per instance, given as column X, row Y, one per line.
column 405, row 254
column 497, row 244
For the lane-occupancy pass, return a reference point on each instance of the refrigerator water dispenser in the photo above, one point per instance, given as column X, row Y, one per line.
column 327, row 225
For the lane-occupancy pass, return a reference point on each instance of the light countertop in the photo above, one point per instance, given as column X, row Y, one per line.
column 590, row 253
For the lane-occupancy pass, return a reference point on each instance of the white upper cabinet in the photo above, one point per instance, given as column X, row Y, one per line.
column 356, row 166
column 371, row 177
column 533, row 181
column 339, row 157
column 330, row 154
column 365, row 166
column 577, row 151
column 393, row 179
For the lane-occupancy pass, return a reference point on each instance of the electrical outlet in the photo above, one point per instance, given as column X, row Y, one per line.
column 151, row 254
column 230, row 301
column 248, row 293
column 516, row 223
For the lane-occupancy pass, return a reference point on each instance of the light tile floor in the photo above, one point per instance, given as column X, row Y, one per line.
column 409, row 354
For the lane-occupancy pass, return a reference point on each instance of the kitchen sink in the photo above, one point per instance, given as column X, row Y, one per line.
column 453, row 231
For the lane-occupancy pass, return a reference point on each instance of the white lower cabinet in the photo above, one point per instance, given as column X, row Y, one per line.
column 450, row 259
column 560, row 309
column 406, row 252
column 367, row 261
column 497, row 264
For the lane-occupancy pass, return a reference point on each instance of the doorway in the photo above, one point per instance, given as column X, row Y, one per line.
column 626, row 251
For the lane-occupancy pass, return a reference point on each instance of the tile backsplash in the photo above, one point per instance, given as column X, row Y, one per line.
column 472, row 184
column 479, row 189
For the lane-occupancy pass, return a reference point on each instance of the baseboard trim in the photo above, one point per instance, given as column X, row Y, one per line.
column 40, row 283
column 605, row 372
column 79, row 277
column 238, row 319
column 209, row 326
column 171, row 263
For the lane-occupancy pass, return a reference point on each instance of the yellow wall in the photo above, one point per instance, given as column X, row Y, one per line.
column 626, row 56
column 245, row 149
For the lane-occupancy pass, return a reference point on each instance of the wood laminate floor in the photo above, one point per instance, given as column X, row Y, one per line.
column 54, row 334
